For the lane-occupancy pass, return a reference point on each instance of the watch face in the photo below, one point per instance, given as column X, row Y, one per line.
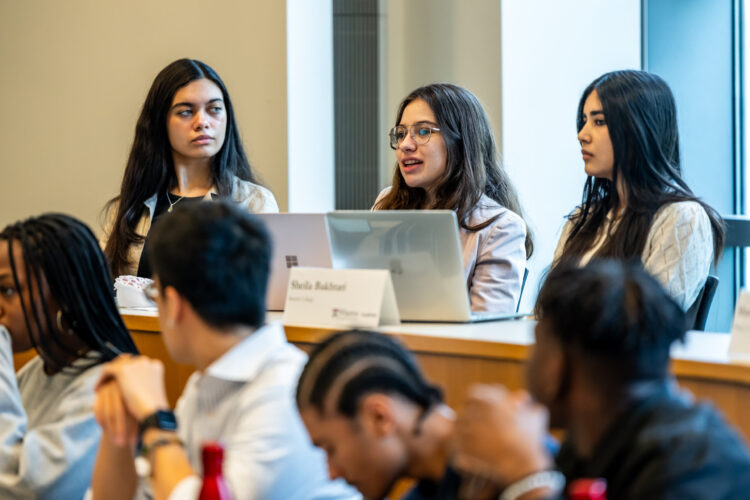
column 161, row 419
column 166, row 420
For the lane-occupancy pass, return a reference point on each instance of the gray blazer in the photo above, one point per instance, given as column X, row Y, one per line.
column 494, row 257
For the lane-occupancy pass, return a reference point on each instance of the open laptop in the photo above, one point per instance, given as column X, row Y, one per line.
column 298, row 240
column 422, row 250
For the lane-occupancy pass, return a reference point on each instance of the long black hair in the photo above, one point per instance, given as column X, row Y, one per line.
column 150, row 168
column 641, row 116
column 472, row 167
column 359, row 363
column 63, row 253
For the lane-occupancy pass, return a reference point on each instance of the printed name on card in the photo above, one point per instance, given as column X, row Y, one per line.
column 340, row 297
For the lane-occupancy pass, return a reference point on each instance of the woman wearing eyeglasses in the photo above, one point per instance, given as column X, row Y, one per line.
column 446, row 158
column 187, row 148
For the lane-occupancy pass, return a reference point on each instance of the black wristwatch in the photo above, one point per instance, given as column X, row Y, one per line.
column 160, row 419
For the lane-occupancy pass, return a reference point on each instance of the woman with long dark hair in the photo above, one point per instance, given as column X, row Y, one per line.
column 187, row 148
column 636, row 204
column 446, row 158
column 56, row 297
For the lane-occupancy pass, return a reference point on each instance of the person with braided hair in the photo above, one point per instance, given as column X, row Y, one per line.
column 56, row 297
column 365, row 402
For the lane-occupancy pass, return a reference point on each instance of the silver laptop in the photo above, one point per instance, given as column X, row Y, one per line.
column 298, row 240
column 422, row 250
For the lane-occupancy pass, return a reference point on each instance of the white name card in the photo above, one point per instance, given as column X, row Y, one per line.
column 340, row 297
column 739, row 344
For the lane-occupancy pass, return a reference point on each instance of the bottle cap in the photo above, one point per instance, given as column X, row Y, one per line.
column 588, row 489
column 213, row 456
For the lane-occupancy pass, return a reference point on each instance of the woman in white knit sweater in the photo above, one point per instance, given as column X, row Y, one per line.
column 635, row 202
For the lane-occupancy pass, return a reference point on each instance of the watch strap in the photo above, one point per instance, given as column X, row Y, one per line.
column 160, row 419
column 143, row 460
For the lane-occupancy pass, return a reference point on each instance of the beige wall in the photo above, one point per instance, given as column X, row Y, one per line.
column 74, row 74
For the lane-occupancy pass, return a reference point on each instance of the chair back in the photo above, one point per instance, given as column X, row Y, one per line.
column 523, row 284
column 737, row 233
column 697, row 314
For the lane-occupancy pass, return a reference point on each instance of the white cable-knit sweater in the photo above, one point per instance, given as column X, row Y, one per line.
column 678, row 251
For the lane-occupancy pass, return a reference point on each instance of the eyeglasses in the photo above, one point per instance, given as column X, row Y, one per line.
column 420, row 133
column 151, row 291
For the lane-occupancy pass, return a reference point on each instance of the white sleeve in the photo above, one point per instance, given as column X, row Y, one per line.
column 679, row 250
column 187, row 489
column 264, row 202
column 268, row 456
column 262, row 458
column 498, row 273
column 54, row 460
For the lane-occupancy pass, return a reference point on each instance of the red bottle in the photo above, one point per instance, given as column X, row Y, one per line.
column 588, row 489
column 214, row 486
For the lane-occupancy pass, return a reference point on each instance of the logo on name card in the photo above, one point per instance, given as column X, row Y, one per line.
column 343, row 313
column 291, row 261
column 349, row 314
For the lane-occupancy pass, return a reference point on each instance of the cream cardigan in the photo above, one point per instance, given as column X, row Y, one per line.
column 253, row 197
column 678, row 250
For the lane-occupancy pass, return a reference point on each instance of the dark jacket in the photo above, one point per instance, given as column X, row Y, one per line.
column 664, row 446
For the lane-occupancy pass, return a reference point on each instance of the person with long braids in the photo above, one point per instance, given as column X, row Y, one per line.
column 187, row 148
column 636, row 204
column 56, row 297
column 446, row 158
